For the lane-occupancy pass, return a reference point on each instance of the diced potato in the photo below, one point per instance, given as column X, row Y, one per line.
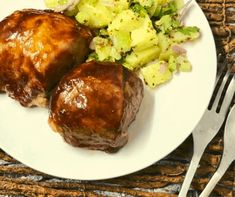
column 163, row 41
column 145, row 36
column 55, row 3
column 98, row 14
column 179, row 63
column 172, row 65
column 105, row 50
column 94, row 16
column 127, row 21
column 145, row 3
column 121, row 41
column 137, row 59
column 184, row 64
column 156, row 73
column 167, row 24
column 184, row 34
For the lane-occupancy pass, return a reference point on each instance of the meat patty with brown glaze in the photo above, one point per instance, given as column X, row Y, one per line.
column 94, row 105
column 37, row 47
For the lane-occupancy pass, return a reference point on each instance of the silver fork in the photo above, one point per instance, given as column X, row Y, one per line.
column 210, row 123
column 184, row 9
column 228, row 153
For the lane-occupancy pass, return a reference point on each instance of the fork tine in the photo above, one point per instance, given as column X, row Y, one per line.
column 219, row 80
column 223, row 87
column 228, row 96
column 192, row 193
column 184, row 9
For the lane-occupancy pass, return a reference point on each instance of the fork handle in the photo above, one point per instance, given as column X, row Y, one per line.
column 224, row 164
column 190, row 174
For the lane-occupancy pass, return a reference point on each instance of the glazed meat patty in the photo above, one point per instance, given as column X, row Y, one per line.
column 37, row 48
column 94, row 104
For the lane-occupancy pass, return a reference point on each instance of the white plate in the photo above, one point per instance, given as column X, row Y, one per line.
column 166, row 118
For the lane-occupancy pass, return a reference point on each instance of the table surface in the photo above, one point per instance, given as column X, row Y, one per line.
column 162, row 179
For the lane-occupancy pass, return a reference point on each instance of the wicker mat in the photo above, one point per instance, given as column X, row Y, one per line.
column 162, row 179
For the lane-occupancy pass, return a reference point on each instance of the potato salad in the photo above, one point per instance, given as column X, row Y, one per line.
column 145, row 36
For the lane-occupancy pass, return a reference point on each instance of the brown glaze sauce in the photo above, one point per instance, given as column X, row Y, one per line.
column 91, row 96
column 37, row 48
column 94, row 105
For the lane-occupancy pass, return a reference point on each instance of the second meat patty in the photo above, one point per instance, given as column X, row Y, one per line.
column 94, row 105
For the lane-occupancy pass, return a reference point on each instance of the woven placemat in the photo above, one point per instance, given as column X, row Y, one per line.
column 162, row 179
column 221, row 16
